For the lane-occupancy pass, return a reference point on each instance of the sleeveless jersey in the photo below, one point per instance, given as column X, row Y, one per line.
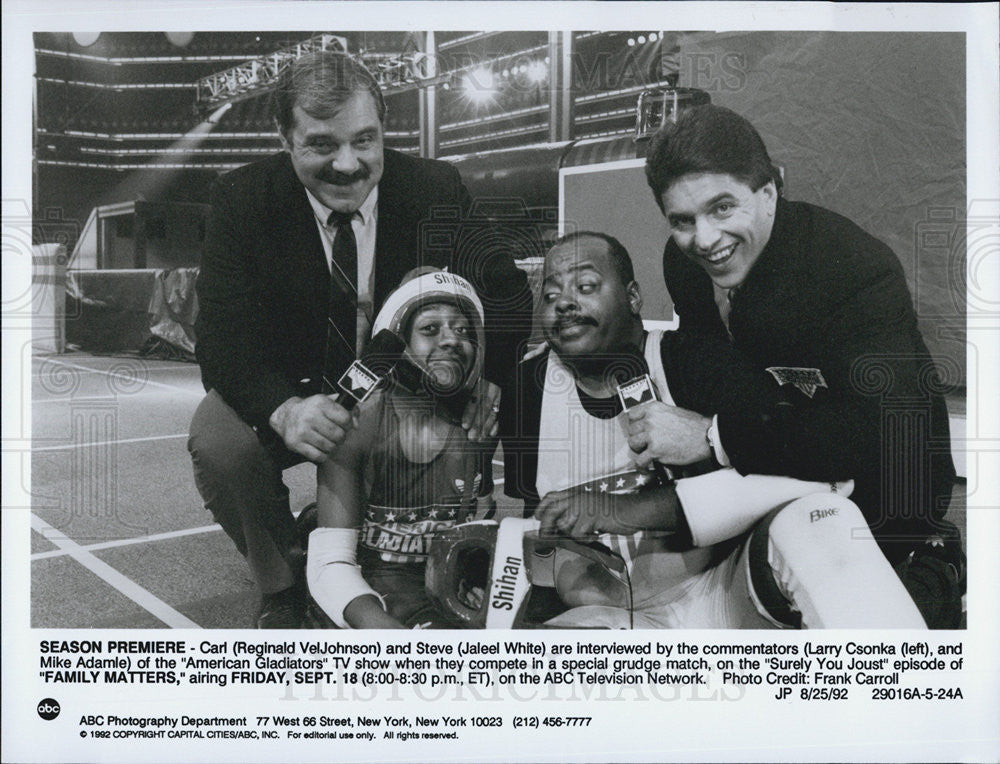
column 578, row 449
column 408, row 502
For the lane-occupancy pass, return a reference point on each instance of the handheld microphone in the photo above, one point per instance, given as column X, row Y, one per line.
column 416, row 379
column 381, row 354
column 635, row 387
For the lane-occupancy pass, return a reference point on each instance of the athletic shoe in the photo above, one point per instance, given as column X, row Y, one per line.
column 282, row 610
column 935, row 576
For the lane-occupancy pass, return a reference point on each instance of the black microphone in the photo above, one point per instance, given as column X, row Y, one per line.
column 630, row 372
column 414, row 378
column 381, row 354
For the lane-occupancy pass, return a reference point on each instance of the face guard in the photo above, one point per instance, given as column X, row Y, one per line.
column 503, row 562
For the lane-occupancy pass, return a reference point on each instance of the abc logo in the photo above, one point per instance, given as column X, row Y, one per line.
column 48, row 709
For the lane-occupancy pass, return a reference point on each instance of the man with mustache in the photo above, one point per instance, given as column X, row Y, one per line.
column 822, row 311
column 711, row 550
column 301, row 250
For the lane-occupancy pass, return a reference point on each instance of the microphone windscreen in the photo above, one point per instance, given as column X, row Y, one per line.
column 625, row 365
column 630, row 373
column 382, row 352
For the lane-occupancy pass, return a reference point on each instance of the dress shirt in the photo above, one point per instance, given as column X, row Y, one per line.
column 363, row 223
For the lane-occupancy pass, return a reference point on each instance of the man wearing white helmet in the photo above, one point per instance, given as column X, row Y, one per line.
column 406, row 470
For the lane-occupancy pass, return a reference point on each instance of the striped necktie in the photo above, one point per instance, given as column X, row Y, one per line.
column 342, row 312
column 724, row 302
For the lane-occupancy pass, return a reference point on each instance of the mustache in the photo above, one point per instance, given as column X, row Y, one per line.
column 576, row 318
column 331, row 176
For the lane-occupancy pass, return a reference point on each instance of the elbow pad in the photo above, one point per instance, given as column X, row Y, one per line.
column 333, row 573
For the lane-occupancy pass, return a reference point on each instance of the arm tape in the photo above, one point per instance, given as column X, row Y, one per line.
column 722, row 504
column 333, row 572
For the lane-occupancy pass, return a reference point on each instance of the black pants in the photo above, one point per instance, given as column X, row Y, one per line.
column 239, row 479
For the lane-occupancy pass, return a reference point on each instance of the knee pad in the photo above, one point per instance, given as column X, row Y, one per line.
column 819, row 554
column 723, row 504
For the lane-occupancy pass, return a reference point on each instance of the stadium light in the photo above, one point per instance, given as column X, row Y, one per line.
column 479, row 85
column 537, row 72
column 180, row 39
column 85, row 39
column 216, row 115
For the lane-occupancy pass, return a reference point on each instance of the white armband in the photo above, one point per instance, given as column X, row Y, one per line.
column 722, row 504
column 333, row 573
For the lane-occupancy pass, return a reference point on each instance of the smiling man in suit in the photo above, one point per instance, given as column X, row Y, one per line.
column 301, row 250
column 822, row 311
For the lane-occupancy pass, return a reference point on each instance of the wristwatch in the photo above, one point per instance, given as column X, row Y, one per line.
column 712, row 438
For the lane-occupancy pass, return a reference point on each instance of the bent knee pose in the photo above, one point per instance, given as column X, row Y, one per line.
column 704, row 551
column 821, row 311
column 301, row 250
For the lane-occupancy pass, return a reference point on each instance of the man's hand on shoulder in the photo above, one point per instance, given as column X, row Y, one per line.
column 479, row 419
column 667, row 434
column 312, row 426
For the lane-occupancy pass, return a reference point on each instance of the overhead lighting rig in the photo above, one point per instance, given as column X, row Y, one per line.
column 257, row 76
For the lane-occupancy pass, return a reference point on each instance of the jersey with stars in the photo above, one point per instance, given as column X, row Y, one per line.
column 404, row 534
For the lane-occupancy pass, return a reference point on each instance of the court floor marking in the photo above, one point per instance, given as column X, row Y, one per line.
column 165, row 536
column 146, row 439
column 150, row 382
column 89, row 370
column 129, row 541
column 114, row 578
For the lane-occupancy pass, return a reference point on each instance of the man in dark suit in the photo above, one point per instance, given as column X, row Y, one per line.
column 278, row 229
column 823, row 311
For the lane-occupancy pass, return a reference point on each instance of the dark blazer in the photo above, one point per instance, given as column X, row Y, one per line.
column 264, row 282
column 826, row 295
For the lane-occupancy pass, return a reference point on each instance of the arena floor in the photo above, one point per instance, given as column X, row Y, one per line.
column 119, row 536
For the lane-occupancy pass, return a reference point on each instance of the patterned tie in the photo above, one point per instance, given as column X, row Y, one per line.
column 732, row 297
column 723, row 301
column 342, row 312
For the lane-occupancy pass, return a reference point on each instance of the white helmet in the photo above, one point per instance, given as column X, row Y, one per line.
column 431, row 286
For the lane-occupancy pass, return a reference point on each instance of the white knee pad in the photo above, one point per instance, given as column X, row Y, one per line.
column 723, row 504
column 826, row 563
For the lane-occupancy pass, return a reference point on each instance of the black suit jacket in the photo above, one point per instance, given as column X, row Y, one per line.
column 264, row 282
column 826, row 295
